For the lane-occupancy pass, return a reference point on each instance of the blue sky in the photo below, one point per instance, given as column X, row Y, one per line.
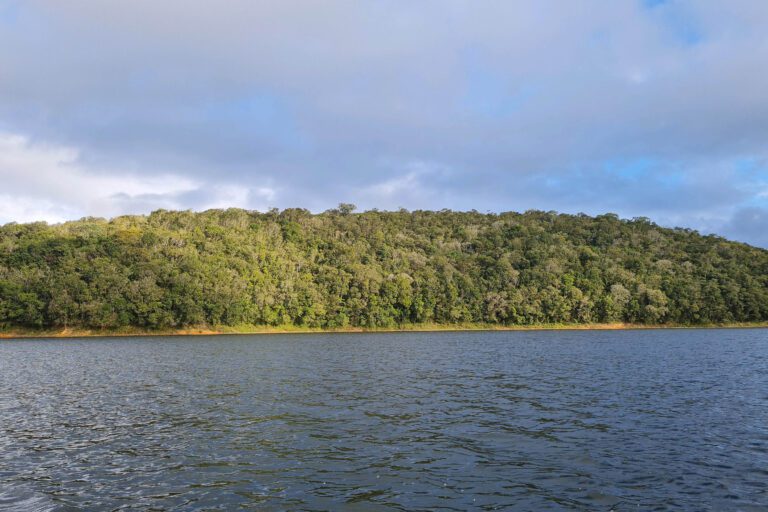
column 640, row 107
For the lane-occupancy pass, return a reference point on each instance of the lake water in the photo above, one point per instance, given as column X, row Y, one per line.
column 568, row 420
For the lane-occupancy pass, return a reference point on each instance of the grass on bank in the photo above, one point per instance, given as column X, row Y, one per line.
column 289, row 329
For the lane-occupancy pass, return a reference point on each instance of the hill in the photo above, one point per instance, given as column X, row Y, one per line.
column 375, row 269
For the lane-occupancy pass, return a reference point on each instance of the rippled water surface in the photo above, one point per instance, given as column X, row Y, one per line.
column 623, row 420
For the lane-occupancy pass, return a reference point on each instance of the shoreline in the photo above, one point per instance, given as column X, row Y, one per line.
column 260, row 329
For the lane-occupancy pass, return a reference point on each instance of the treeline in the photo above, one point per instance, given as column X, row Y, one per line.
column 372, row 269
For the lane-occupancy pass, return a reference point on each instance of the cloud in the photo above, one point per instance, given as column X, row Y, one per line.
column 416, row 183
column 533, row 104
column 47, row 182
column 749, row 225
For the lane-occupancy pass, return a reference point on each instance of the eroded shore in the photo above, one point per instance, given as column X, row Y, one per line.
column 261, row 329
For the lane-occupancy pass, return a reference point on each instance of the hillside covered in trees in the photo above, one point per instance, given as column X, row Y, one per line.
column 374, row 269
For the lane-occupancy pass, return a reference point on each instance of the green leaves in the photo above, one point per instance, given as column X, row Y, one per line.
column 371, row 269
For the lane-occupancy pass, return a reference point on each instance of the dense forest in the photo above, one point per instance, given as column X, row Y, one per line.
column 374, row 269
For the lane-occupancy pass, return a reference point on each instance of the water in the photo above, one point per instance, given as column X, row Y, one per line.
column 632, row 420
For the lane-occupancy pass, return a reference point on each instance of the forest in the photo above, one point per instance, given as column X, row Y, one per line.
column 375, row 269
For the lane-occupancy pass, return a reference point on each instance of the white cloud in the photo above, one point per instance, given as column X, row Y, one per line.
column 25, row 209
column 236, row 196
column 415, row 185
column 49, row 182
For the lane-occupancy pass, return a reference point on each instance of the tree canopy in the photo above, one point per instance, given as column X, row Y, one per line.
column 173, row 269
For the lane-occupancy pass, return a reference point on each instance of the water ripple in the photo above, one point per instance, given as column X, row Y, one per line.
column 645, row 420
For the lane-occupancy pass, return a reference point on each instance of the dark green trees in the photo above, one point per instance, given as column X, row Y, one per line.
column 372, row 269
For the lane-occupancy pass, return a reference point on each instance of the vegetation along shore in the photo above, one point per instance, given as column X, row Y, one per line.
column 228, row 271
column 292, row 329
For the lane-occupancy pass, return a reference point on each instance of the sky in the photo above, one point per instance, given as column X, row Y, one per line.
column 654, row 108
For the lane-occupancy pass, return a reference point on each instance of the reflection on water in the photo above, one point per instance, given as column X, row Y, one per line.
column 635, row 420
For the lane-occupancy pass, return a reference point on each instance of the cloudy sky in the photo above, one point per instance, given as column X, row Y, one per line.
column 639, row 107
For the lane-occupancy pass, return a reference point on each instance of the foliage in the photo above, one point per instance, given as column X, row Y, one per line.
column 372, row 269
